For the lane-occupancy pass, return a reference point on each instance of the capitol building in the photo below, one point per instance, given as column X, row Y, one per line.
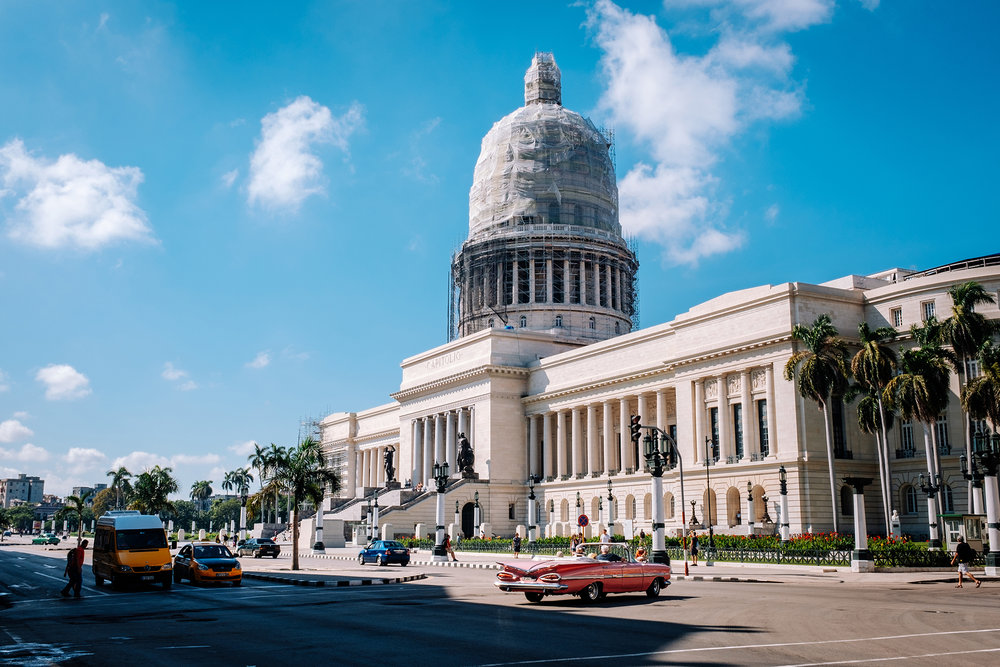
column 545, row 367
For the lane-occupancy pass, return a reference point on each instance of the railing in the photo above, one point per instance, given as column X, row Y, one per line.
column 906, row 453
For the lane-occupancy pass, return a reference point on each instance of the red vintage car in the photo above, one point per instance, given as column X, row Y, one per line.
column 592, row 578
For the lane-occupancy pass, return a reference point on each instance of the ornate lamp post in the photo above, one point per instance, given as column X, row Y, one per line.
column 611, row 510
column 783, row 527
column 375, row 517
column 988, row 454
column 441, row 479
column 552, row 517
column 750, row 512
column 458, row 517
column 694, row 519
column 319, row 546
column 656, row 463
column 476, row 515
column 600, row 510
column 974, row 475
column 368, row 528
column 531, row 510
column 931, row 489
column 243, row 513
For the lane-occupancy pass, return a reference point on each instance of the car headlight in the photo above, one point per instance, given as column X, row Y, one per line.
column 168, row 566
column 237, row 566
column 124, row 568
column 202, row 566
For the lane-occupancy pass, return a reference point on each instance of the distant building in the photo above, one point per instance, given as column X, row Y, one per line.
column 78, row 491
column 23, row 488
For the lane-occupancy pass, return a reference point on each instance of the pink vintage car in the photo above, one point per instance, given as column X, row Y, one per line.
column 590, row 578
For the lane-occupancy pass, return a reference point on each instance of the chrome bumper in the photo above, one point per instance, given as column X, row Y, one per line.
column 508, row 586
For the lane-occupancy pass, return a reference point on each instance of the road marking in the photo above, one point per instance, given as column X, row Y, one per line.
column 902, row 657
column 171, row 648
column 740, row 647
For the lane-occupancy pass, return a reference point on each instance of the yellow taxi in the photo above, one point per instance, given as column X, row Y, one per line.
column 202, row 562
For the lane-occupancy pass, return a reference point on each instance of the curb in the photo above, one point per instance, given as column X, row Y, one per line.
column 701, row 577
column 341, row 583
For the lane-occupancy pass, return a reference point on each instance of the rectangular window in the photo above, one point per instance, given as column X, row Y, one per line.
column 905, row 450
column 839, row 439
column 972, row 370
column 672, row 430
column 896, row 316
column 910, row 500
column 738, row 428
column 765, row 447
column 927, row 307
column 941, row 433
column 713, row 415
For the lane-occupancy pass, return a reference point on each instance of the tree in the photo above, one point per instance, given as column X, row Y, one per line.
column 152, row 489
column 981, row 396
column 304, row 476
column 201, row 491
column 872, row 367
column 224, row 511
column 822, row 375
column 277, row 457
column 920, row 393
column 120, row 484
column 104, row 500
column 259, row 460
column 75, row 507
column 966, row 331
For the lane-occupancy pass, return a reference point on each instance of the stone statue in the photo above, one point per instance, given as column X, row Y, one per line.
column 390, row 472
column 466, row 458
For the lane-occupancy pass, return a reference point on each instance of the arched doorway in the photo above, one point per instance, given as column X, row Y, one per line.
column 468, row 520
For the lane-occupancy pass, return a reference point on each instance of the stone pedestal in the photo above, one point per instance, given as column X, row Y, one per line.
column 201, row 534
column 181, row 535
column 420, row 531
column 387, row 532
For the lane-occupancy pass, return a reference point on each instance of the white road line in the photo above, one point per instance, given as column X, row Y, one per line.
column 738, row 647
column 171, row 648
column 901, row 657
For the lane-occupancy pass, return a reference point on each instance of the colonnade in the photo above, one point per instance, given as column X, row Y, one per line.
column 369, row 466
column 435, row 439
column 748, row 427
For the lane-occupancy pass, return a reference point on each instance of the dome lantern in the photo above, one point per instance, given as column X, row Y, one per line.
column 543, row 81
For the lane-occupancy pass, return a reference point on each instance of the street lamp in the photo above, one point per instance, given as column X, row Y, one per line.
column 458, row 518
column 709, row 513
column 988, row 454
column 552, row 517
column 611, row 509
column 476, row 515
column 931, row 489
column 783, row 527
column 375, row 516
column 974, row 475
column 656, row 463
column 531, row 510
column 441, row 478
column 368, row 528
column 750, row 512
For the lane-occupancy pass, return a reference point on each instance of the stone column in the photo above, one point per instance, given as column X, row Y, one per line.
column 561, row 445
column 359, row 480
column 583, row 280
column 699, row 418
column 439, row 443
column 661, row 409
column 418, row 451
column 533, row 468
column 450, row 442
column 576, row 435
column 548, row 446
column 749, row 447
column 566, row 281
column 725, row 446
column 772, row 424
column 463, row 423
column 626, row 446
column 426, row 471
column 593, row 455
column 861, row 558
column 609, row 438
column 596, row 273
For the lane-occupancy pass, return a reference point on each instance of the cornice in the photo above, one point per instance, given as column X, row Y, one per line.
column 489, row 370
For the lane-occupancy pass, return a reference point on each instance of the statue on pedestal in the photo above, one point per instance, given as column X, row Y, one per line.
column 390, row 471
column 466, row 458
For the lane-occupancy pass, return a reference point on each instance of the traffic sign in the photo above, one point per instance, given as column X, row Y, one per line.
column 583, row 520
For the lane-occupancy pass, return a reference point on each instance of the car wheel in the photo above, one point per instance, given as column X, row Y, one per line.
column 380, row 561
column 654, row 589
column 591, row 593
column 361, row 559
column 534, row 596
column 256, row 554
column 274, row 556
column 404, row 563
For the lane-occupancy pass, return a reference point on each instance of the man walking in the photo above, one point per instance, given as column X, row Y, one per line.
column 74, row 569
column 964, row 554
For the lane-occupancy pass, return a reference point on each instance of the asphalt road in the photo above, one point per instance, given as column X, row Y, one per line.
column 457, row 617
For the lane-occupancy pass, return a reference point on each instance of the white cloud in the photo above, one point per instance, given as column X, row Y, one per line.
column 21, row 414
column 195, row 459
column 174, row 374
column 230, row 177
column 70, row 202
column 137, row 462
column 685, row 110
column 291, row 353
column 28, row 453
column 190, row 385
column 85, row 457
column 771, row 214
column 262, row 360
column 242, row 448
column 63, row 382
column 12, row 430
column 284, row 170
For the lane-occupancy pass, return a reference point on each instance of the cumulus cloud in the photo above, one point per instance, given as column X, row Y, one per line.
column 685, row 110
column 63, row 382
column 84, row 457
column 195, row 459
column 28, row 453
column 70, row 202
column 243, row 448
column 284, row 168
column 136, row 462
column 173, row 374
column 262, row 360
column 12, row 430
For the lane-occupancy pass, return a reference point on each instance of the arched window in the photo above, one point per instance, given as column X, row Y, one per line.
column 524, row 321
column 647, row 506
column 846, row 501
column 564, row 510
column 489, row 323
column 618, row 327
column 668, row 505
column 733, row 504
column 593, row 322
column 947, row 500
column 709, row 507
column 909, row 500
column 558, row 320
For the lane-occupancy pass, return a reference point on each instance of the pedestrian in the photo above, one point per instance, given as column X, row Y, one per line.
column 574, row 542
column 642, row 534
column 605, row 538
column 448, row 548
column 694, row 548
column 964, row 554
column 74, row 570
column 516, row 543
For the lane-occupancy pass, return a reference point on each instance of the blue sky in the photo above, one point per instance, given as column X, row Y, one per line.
column 219, row 218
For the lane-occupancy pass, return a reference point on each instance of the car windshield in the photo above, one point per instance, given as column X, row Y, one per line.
column 392, row 545
column 148, row 538
column 265, row 541
column 212, row 551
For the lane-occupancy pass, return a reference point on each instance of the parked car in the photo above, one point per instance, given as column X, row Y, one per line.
column 45, row 538
column 207, row 561
column 258, row 547
column 7, row 533
column 383, row 552
column 590, row 578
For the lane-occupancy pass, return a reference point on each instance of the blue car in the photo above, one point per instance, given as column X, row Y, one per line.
column 383, row 552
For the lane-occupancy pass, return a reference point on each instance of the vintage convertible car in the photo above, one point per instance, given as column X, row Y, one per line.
column 590, row 578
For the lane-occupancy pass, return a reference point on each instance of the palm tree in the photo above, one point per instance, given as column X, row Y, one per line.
column 259, row 461
column 201, row 491
column 152, row 489
column 873, row 366
column 277, row 457
column 822, row 377
column 75, row 506
column 304, row 475
column 966, row 331
column 239, row 480
column 920, row 393
column 981, row 396
column 120, row 483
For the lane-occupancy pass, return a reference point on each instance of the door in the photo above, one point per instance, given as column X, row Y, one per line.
column 468, row 520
